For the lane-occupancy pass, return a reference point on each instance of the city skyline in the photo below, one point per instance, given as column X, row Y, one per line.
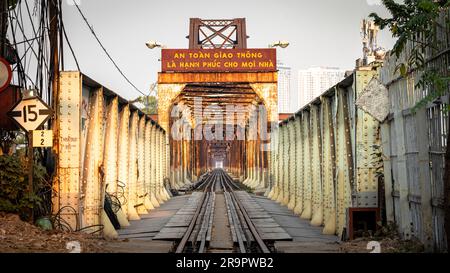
column 286, row 104
column 315, row 80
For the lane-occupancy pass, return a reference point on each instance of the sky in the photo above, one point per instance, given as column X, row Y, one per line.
column 320, row 32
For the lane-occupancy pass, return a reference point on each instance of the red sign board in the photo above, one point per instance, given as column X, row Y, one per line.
column 8, row 98
column 219, row 60
column 5, row 74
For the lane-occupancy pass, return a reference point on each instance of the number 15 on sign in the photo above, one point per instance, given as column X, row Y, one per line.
column 42, row 138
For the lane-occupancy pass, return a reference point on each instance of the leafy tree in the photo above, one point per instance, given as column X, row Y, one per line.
column 15, row 196
column 150, row 104
column 417, row 22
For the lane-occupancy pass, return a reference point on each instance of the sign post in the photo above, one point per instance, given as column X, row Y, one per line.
column 30, row 114
column 30, row 167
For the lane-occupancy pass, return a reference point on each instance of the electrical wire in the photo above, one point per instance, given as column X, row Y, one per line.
column 59, row 223
column 121, row 192
column 70, row 46
column 104, row 49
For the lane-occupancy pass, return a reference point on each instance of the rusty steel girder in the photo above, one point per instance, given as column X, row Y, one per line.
column 98, row 153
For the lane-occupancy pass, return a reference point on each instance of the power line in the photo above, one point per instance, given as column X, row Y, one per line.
column 104, row 49
column 63, row 28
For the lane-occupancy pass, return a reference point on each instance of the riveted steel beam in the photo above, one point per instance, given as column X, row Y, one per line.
column 282, row 166
column 98, row 153
column 133, row 167
column 307, row 182
column 285, row 199
column 273, row 162
column 328, row 167
column 158, row 190
column 344, row 169
column 278, row 164
column 153, row 158
column 123, row 156
column 298, row 166
column 367, row 139
column 162, row 145
column 316, row 167
column 91, row 180
column 147, row 166
column 140, row 188
column 67, row 181
column 111, row 144
column 292, row 163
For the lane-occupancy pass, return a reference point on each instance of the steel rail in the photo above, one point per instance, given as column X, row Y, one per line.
column 181, row 246
column 230, row 184
column 215, row 180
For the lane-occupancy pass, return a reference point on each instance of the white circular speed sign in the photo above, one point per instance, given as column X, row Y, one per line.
column 5, row 74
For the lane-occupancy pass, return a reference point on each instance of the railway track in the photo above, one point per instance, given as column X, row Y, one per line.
column 230, row 229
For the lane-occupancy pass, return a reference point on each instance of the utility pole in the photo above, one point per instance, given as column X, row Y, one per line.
column 3, row 26
column 53, row 12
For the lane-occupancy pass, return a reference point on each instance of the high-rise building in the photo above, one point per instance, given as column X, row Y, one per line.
column 314, row 81
column 285, row 101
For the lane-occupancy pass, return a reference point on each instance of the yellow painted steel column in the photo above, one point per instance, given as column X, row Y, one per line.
column 153, row 159
column 147, row 165
column 281, row 165
column 258, row 165
column 298, row 166
column 158, row 191
column 276, row 163
column 316, row 175
column 179, row 163
column 306, row 213
column 249, row 160
column 123, row 157
column 287, row 163
column 182, row 162
column 162, row 145
column 277, row 190
column 166, row 159
column 133, row 169
column 285, row 200
column 111, row 156
column 66, row 182
column 247, row 167
column 111, row 144
column 186, row 159
column 254, row 164
column 271, row 189
column 278, row 175
column 140, row 188
column 292, row 162
column 343, row 162
column 257, row 159
column 91, row 181
column 328, row 168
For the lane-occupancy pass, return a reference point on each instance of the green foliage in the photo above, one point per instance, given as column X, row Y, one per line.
column 416, row 22
column 150, row 104
column 12, row 4
column 14, row 194
column 432, row 80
